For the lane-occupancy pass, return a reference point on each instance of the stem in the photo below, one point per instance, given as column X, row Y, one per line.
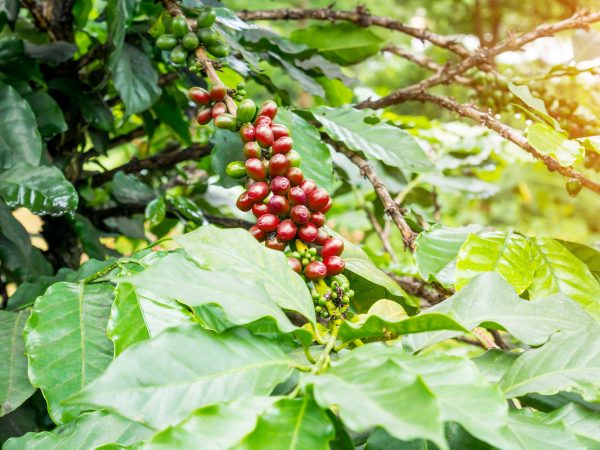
column 324, row 356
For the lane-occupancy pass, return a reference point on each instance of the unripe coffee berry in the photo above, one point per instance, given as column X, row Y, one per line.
column 244, row 202
column 278, row 165
column 258, row 191
column 257, row 233
column 286, row 230
column 279, row 130
column 307, row 232
column 318, row 218
column 280, row 185
column 573, row 187
column 317, row 200
column 296, row 196
column 264, row 135
column 252, row 150
column 256, row 169
column 279, row 205
column 332, row 247
column 236, row 169
column 300, row 214
column 258, row 209
column 199, row 96
column 335, row 265
column 269, row 109
column 268, row 222
column 204, row 116
column 262, row 120
column 316, row 270
column 295, row 176
column 308, row 186
column 282, row 145
column 293, row 158
column 226, row 121
column 247, row 132
column 322, row 236
column 218, row 109
column 275, row 243
column 218, row 92
column 295, row 264
column 246, row 110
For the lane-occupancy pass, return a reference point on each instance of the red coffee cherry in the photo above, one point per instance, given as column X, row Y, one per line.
column 286, row 230
column 300, row 214
column 280, row 185
column 279, row 130
column 262, row 120
column 259, row 234
column 296, row 196
column 279, row 206
column 252, row 150
column 282, row 145
column 269, row 109
column 332, row 247
column 218, row 109
column 308, row 232
column 318, row 218
column 199, row 96
column 328, row 206
column 317, row 199
column 322, row 236
column 335, row 265
column 275, row 243
column 278, row 165
column 244, row 202
column 258, row 191
column 268, row 222
column 264, row 135
column 218, row 92
column 294, row 264
column 204, row 116
column 315, row 270
column 256, row 169
column 258, row 209
column 308, row 186
column 247, row 132
column 295, row 176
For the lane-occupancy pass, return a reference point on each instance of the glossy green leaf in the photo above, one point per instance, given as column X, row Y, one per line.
column 66, row 343
column 15, row 387
column 156, row 211
column 306, row 82
column 42, row 190
column 48, row 115
column 119, row 14
column 227, row 148
column 559, row 271
column 581, row 421
column 469, row 187
column 586, row 45
column 129, row 189
column 587, row 255
column 495, row 363
column 505, row 253
column 548, row 141
column 316, row 158
column 191, row 368
column 536, row 104
column 21, row 141
column 173, row 116
column 88, row 431
column 381, row 141
column 531, row 433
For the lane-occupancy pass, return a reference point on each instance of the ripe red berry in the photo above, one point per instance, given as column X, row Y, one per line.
column 269, row 109
column 258, row 191
column 317, row 199
column 275, row 243
column 286, row 230
column 218, row 92
column 328, row 206
column 247, row 132
column 318, row 218
column 322, row 236
column 252, row 150
column 259, row 234
column 308, row 186
column 258, row 209
column 199, row 96
column 295, row 176
column 262, row 120
column 218, row 109
column 335, row 265
column 280, row 185
column 308, row 232
column 279, row 206
column 204, row 116
column 300, row 214
column 244, row 202
column 315, row 270
column 282, row 145
column 256, row 169
column 264, row 135
column 278, row 164
column 332, row 247
column 294, row 264
column 279, row 130
column 268, row 222
column 296, row 196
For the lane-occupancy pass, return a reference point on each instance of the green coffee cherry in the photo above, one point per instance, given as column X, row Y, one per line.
column 208, row 37
column 166, row 42
column 241, row 85
column 226, row 121
column 179, row 26
column 218, row 49
column 312, row 251
column 179, row 55
column 246, row 111
column 190, row 41
column 206, row 18
column 236, row 169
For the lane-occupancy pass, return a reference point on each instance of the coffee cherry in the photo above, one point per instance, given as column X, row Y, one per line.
column 179, row 26
column 199, row 96
column 264, row 135
column 178, row 55
column 308, row 186
column 279, row 205
column 226, row 121
column 236, row 169
column 316, row 270
column 294, row 158
column 208, row 37
column 318, row 199
column 332, row 247
column 251, row 150
column 258, row 209
column 246, row 110
column 280, row 185
column 190, row 41
column 335, row 265
column 282, row 145
column 244, row 202
column 218, row 49
column 295, row 176
column 218, row 92
column 259, row 234
column 318, row 218
column 206, row 18
column 294, row 264
column 296, row 196
column 327, row 207
column 286, row 230
column 204, row 116
column 324, row 314
column 278, row 165
column 218, row 109
column 247, row 132
column 275, row 243
column 258, row 192
column 279, row 130
column 308, row 232
column 262, row 120
column 268, row 222
column 269, row 109
column 166, row 42
column 256, row 169
column 300, row 214
column 573, row 187
column 322, row 236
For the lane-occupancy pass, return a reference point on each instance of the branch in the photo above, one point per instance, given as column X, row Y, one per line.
column 433, row 294
column 361, row 17
column 41, row 22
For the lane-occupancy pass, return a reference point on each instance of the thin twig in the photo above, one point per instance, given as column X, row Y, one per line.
column 387, row 246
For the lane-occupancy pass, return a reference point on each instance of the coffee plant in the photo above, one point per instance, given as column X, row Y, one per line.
column 298, row 228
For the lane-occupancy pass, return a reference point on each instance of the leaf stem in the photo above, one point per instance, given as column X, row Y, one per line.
column 323, row 360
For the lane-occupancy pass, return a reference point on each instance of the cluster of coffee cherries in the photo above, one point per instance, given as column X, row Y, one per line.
column 213, row 107
column 335, row 301
column 182, row 43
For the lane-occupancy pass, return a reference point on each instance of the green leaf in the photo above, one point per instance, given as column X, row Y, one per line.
column 42, row 190
column 383, row 142
column 129, row 190
column 536, row 104
column 236, row 251
column 532, row 433
column 437, row 249
column 172, row 115
column 119, row 14
column 135, row 318
column 10, row 8
column 227, row 148
column 495, row 363
column 489, row 300
column 88, row 431
column 548, row 141
column 343, row 43
column 306, row 82
column 470, row 187
column 559, row 271
column 316, row 157
column 569, row 361
column 505, row 253
column 52, row 53
column 48, row 115
column 191, row 368
column 586, row 45
column 581, row 421
column 19, row 136
column 587, row 255
column 14, row 384
column 156, row 211
column 66, row 343
column 135, row 80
